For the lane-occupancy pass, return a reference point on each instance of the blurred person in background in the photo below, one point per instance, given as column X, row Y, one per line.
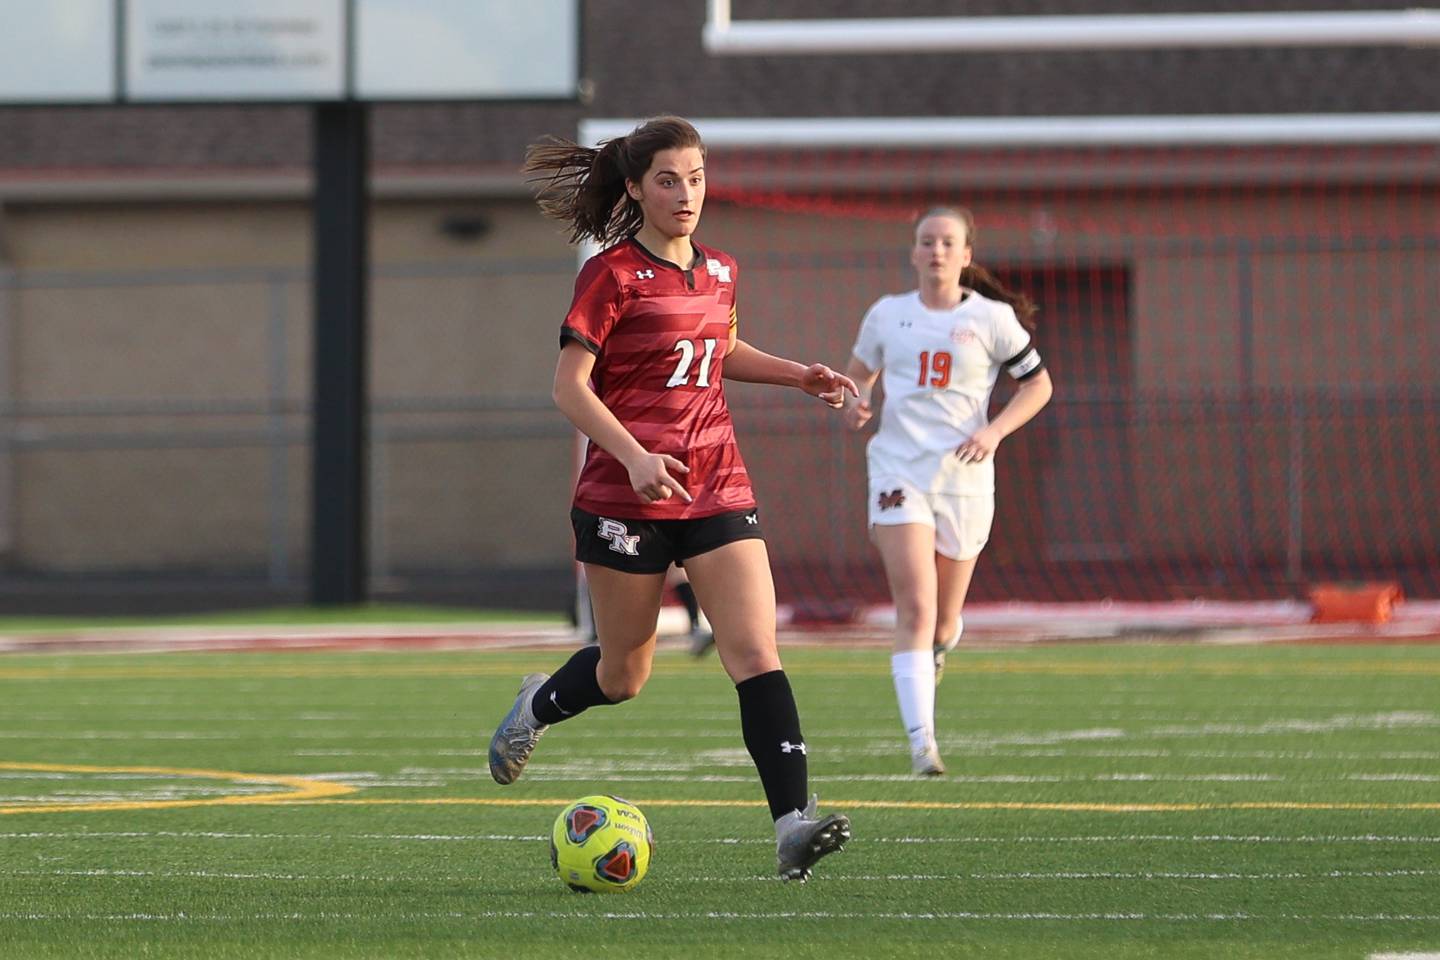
column 649, row 336
column 931, row 464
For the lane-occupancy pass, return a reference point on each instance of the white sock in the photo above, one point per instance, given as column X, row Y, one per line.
column 914, row 674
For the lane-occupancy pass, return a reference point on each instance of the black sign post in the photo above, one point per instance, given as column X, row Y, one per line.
column 338, row 445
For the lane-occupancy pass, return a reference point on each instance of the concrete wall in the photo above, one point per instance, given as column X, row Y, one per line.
column 160, row 369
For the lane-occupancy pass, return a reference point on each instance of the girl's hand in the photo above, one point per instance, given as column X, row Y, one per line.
column 979, row 447
column 858, row 414
column 820, row 381
column 651, row 477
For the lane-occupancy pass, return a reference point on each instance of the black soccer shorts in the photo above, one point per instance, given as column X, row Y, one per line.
column 650, row 546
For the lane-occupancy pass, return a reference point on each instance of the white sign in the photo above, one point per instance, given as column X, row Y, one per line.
column 466, row 49
column 65, row 51
column 234, row 49
column 58, row 51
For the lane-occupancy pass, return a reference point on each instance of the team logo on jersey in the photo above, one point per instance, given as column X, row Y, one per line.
column 895, row 498
column 620, row 537
column 644, row 274
column 962, row 335
column 717, row 269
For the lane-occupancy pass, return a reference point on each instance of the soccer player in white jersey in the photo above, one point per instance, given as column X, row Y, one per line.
column 931, row 464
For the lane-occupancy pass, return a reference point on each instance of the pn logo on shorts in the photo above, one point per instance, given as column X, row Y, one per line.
column 895, row 498
column 620, row 537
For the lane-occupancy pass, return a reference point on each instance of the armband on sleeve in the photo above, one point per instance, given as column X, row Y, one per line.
column 1025, row 364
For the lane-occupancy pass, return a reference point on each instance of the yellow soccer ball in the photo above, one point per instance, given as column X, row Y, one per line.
column 601, row 844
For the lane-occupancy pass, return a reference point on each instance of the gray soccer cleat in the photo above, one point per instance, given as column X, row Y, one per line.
column 701, row 640
column 517, row 734
column 801, row 839
column 943, row 648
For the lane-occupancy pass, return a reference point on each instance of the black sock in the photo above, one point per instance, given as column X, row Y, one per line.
column 692, row 606
column 572, row 689
column 770, row 725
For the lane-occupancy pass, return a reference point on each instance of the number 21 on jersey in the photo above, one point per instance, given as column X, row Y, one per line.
column 935, row 368
column 687, row 350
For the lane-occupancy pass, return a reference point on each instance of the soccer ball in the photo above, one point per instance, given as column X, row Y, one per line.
column 601, row 844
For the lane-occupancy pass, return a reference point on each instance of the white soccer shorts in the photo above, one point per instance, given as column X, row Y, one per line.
column 962, row 524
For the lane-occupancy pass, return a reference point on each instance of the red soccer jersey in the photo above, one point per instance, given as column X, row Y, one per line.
column 659, row 334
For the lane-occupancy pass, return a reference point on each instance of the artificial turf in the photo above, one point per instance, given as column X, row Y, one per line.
column 1103, row 800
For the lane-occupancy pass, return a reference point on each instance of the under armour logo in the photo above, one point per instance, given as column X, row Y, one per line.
column 787, row 747
column 621, row 540
column 750, row 518
column 644, row 274
column 894, row 498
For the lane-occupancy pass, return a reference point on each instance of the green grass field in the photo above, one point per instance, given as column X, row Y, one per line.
column 1104, row 801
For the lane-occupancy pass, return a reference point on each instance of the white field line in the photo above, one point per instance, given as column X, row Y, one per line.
column 590, row 918
column 891, row 747
column 1388, row 721
column 685, row 773
column 1404, row 956
column 540, row 774
column 1146, row 876
column 728, row 841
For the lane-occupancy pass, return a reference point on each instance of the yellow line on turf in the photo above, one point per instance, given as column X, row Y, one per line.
column 887, row 804
column 302, row 789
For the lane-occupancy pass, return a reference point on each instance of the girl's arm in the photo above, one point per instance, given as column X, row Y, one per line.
column 652, row 475
column 749, row 365
column 858, row 414
column 1030, row 397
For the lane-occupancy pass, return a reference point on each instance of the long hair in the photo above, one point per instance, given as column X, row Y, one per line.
column 979, row 279
column 585, row 186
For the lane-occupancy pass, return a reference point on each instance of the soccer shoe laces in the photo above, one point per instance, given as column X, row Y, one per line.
column 517, row 735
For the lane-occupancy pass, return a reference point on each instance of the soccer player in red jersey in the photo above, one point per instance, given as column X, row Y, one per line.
column 648, row 338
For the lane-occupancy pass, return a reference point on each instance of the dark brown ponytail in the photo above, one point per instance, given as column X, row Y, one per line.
column 979, row 279
column 585, row 187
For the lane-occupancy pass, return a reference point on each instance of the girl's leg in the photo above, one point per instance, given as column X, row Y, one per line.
column 953, row 581
column 626, row 607
column 614, row 669
column 735, row 588
column 962, row 530
column 908, row 552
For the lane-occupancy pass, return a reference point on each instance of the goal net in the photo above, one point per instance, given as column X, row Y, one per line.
column 1244, row 342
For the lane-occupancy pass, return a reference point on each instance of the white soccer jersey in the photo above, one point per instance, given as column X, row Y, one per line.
column 939, row 369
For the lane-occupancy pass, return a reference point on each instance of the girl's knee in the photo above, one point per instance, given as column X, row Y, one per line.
column 914, row 612
column 743, row 668
column 622, row 686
